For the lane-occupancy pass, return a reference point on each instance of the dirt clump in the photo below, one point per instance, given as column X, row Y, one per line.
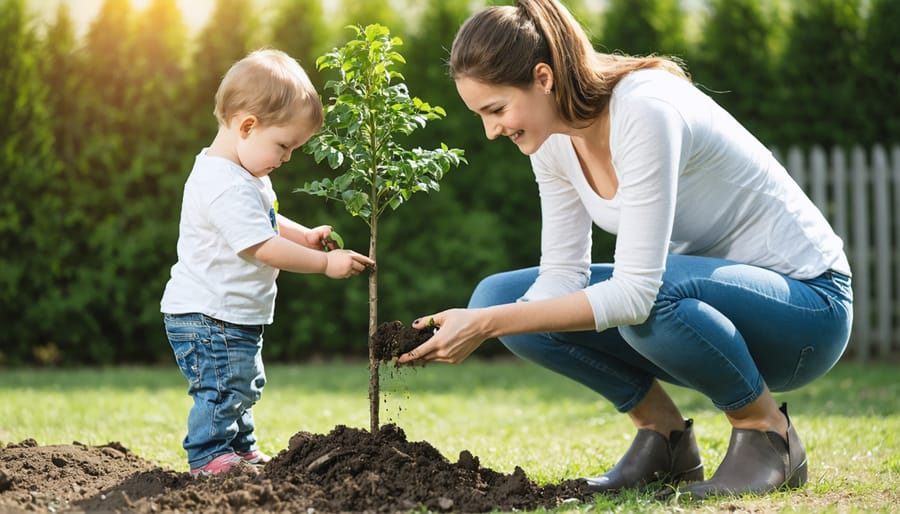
column 393, row 339
column 347, row 470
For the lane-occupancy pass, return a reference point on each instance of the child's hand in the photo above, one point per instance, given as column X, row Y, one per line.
column 346, row 263
column 315, row 236
column 332, row 241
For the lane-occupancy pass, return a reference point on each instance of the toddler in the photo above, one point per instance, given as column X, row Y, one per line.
column 232, row 243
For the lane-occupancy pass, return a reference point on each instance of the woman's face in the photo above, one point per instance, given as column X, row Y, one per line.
column 526, row 116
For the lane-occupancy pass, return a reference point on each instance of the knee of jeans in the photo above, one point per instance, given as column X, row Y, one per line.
column 488, row 292
column 525, row 346
column 644, row 338
column 234, row 402
column 633, row 334
column 239, row 400
column 249, row 390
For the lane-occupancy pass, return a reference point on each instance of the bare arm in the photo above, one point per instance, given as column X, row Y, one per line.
column 304, row 236
column 282, row 253
column 463, row 330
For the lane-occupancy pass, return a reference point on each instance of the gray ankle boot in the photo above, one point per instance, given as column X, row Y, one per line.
column 756, row 462
column 653, row 458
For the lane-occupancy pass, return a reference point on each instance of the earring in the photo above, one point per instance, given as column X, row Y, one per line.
column 547, row 91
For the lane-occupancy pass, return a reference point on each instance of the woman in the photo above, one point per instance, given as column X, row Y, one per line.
column 726, row 278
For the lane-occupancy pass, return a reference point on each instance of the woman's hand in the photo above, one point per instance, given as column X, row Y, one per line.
column 459, row 332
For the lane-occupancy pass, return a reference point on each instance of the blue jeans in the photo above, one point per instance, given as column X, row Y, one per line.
column 223, row 365
column 722, row 328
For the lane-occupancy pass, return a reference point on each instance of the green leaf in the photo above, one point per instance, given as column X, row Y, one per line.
column 332, row 237
column 335, row 159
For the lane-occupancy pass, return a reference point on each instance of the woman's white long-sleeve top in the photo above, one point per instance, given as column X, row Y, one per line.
column 691, row 180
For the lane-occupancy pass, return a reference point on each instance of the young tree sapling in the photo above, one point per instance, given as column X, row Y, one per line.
column 368, row 108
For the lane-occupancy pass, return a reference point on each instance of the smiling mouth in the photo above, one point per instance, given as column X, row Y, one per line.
column 516, row 136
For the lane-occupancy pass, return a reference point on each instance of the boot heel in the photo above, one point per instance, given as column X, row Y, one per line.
column 798, row 478
column 691, row 475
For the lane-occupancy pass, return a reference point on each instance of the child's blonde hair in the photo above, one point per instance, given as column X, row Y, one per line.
column 270, row 85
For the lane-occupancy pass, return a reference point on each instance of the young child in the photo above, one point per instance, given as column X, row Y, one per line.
column 232, row 243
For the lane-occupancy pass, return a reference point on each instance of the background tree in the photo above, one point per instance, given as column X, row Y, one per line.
column 299, row 29
column 880, row 73
column 818, row 101
column 60, row 70
column 383, row 12
column 642, row 27
column 87, row 245
column 63, row 71
column 30, row 198
column 225, row 39
column 109, row 56
column 734, row 61
column 159, row 152
column 105, row 144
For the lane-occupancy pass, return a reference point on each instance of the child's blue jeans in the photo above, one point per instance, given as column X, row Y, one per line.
column 223, row 365
column 722, row 328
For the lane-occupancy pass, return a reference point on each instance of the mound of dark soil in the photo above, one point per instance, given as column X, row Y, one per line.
column 347, row 470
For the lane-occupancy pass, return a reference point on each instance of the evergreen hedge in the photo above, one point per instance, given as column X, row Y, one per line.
column 102, row 129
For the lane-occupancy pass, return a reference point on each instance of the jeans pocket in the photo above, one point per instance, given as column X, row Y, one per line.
column 184, row 337
column 812, row 363
column 186, row 358
column 798, row 376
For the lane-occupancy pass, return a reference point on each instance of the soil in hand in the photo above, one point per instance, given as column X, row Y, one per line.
column 393, row 339
column 347, row 470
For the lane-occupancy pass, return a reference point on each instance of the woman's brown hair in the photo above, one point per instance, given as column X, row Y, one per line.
column 502, row 44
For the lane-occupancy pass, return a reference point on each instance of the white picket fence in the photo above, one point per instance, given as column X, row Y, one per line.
column 859, row 192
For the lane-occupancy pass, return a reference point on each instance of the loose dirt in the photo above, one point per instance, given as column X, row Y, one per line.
column 346, row 470
column 393, row 339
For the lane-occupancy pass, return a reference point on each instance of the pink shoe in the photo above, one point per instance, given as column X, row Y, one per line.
column 254, row 457
column 221, row 464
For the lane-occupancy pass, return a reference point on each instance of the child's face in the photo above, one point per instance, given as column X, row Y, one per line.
column 261, row 149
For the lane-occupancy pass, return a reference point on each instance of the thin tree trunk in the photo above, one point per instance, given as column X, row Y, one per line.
column 374, row 401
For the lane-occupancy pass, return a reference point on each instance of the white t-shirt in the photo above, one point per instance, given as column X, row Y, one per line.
column 225, row 210
column 692, row 181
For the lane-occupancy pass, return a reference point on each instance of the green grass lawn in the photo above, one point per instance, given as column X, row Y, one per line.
column 507, row 413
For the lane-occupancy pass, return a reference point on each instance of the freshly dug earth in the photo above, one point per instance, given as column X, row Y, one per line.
column 347, row 470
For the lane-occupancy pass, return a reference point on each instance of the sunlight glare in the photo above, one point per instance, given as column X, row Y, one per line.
column 195, row 13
